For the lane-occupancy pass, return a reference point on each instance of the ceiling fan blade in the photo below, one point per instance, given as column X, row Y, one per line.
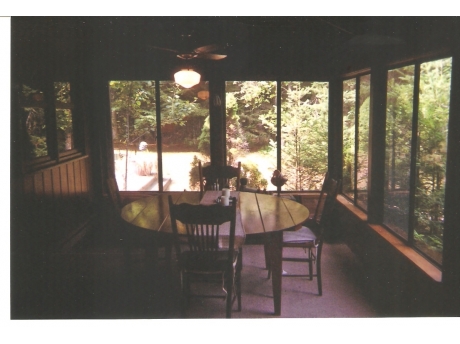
column 206, row 48
column 211, row 56
column 165, row 49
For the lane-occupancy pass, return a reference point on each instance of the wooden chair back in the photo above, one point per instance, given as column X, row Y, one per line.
column 321, row 200
column 202, row 224
column 330, row 190
column 215, row 174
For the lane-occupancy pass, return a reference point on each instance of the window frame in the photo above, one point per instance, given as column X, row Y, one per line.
column 157, row 82
column 279, row 123
column 414, row 150
column 375, row 213
column 53, row 157
column 357, row 77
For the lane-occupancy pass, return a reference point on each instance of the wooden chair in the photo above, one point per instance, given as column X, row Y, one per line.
column 310, row 238
column 220, row 176
column 211, row 255
column 315, row 217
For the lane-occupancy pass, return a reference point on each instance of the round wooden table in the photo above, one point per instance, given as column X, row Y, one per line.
column 262, row 215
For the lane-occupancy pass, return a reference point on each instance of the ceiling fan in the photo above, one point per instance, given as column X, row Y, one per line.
column 203, row 52
column 188, row 77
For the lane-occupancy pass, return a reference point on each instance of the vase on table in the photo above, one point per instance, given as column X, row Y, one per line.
column 278, row 180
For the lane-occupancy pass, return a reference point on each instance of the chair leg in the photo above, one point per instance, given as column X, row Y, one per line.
column 267, row 261
column 229, row 300
column 239, row 267
column 318, row 276
column 310, row 264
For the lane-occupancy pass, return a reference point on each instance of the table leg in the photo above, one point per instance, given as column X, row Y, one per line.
column 267, row 260
column 274, row 248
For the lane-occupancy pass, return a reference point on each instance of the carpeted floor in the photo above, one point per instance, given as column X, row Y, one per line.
column 93, row 283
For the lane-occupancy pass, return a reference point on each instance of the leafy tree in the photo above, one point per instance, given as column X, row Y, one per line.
column 133, row 107
column 255, row 178
column 349, row 122
column 252, row 126
column 304, row 118
column 33, row 122
column 204, row 140
column 399, row 127
column 433, row 112
column 399, row 113
column 353, row 125
column 433, row 117
column 246, row 101
column 63, row 115
column 184, row 114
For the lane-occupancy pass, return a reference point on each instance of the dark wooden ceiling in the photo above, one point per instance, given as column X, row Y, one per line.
column 257, row 47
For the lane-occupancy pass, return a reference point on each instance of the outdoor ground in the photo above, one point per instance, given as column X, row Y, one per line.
column 176, row 166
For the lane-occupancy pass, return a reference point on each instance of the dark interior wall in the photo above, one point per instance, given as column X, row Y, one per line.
column 39, row 196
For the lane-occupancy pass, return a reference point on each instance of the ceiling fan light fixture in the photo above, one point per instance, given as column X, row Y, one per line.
column 187, row 78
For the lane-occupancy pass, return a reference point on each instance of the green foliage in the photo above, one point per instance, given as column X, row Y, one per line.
column 133, row 109
column 430, row 161
column 363, row 136
column 183, row 114
column 246, row 101
column 432, row 152
column 36, row 132
column 433, row 113
column 353, row 126
column 194, row 174
column 304, row 130
column 34, row 122
column 399, row 127
column 204, row 138
column 255, row 178
column 64, row 122
column 252, row 127
column 349, row 122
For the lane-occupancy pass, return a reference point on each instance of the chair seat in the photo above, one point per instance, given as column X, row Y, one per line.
column 206, row 262
column 302, row 236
